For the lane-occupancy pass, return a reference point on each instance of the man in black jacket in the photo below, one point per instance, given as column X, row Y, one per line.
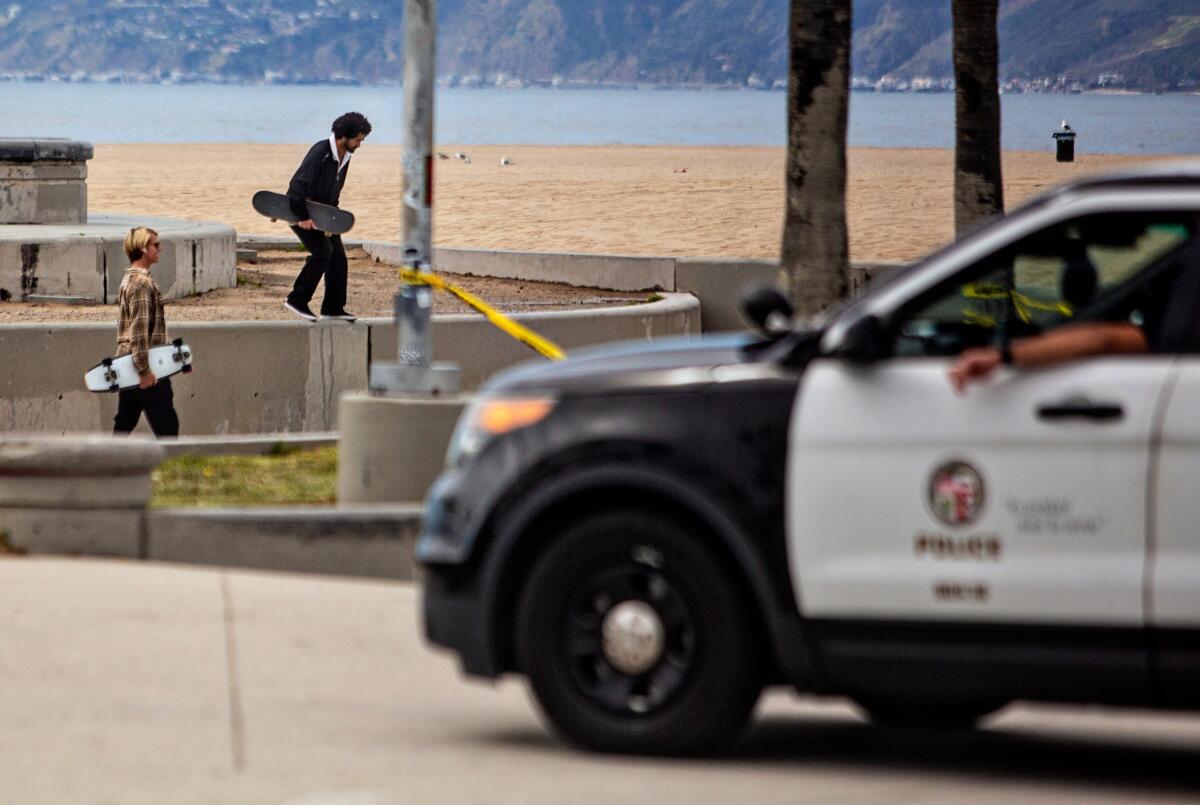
column 320, row 178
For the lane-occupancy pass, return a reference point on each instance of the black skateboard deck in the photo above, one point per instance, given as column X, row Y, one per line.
column 331, row 220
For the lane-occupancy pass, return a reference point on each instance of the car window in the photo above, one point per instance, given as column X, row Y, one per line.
column 1050, row 278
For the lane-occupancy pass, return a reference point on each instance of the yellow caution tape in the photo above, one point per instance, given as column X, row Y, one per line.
column 523, row 334
column 1022, row 303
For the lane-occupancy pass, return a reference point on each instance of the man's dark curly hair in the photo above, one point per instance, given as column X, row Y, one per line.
column 351, row 125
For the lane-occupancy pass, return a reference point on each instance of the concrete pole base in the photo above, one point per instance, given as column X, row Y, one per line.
column 392, row 447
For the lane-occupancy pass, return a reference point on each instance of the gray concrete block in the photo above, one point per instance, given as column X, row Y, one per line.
column 36, row 191
column 265, row 377
column 74, row 532
column 212, row 257
column 266, row 243
column 375, row 541
column 44, row 171
column 41, row 377
column 64, row 267
column 36, row 149
column 718, row 284
column 391, row 447
column 62, row 201
column 62, row 300
column 610, row 271
column 89, row 259
column 122, row 491
column 76, row 472
column 18, row 201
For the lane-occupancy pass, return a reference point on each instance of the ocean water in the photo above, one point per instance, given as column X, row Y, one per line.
column 105, row 113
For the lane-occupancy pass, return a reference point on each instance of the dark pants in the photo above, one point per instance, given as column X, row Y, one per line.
column 158, row 402
column 327, row 258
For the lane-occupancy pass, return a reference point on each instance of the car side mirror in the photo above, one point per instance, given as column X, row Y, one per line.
column 767, row 311
column 865, row 341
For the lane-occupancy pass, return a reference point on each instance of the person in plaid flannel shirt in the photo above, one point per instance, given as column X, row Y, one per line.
column 140, row 326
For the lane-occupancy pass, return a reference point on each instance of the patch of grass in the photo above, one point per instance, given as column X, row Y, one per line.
column 286, row 477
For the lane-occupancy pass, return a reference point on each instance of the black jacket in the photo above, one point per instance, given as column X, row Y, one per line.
column 316, row 179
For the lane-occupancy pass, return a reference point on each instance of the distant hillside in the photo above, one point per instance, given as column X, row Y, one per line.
column 1145, row 44
column 1150, row 44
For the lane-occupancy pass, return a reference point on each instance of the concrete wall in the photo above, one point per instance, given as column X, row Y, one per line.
column 614, row 272
column 611, row 271
column 480, row 350
column 716, row 282
column 268, row 377
column 251, row 377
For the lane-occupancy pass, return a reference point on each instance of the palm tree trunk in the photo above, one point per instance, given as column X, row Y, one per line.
column 978, row 191
column 815, row 250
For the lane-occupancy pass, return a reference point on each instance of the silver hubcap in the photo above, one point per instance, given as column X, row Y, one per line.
column 633, row 637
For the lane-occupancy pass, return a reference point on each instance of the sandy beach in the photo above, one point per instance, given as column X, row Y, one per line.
column 663, row 200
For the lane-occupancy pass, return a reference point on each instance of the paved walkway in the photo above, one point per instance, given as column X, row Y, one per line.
column 127, row 682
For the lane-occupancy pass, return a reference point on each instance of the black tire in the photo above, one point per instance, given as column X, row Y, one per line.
column 948, row 715
column 698, row 695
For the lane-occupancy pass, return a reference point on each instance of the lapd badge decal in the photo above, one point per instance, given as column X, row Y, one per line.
column 956, row 493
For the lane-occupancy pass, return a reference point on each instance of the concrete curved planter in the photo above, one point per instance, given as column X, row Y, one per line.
column 85, row 262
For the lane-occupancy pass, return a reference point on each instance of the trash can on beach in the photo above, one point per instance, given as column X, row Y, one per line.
column 1064, row 144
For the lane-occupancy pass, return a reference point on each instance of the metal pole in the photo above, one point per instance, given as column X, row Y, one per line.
column 414, row 371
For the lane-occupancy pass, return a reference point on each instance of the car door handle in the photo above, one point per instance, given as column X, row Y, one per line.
column 1080, row 408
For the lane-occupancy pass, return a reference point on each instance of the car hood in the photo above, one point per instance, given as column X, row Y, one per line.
column 632, row 363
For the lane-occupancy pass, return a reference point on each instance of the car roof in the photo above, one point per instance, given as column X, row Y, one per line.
column 1174, row 172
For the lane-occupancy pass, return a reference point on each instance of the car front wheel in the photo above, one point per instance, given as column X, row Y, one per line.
column 636, row 639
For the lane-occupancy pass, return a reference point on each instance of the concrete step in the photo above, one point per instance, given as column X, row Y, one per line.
column 373, row 541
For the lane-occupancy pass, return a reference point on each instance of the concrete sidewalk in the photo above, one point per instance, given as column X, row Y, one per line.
column 128, row 682
column 134, row 682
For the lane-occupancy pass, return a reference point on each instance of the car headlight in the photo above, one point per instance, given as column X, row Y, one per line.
column 489, row 417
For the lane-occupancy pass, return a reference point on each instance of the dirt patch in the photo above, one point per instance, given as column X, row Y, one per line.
column 263, row 286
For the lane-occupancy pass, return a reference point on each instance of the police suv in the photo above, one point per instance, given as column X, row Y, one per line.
column 653, row 533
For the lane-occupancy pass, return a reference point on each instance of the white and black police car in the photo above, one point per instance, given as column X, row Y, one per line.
column 653, row 533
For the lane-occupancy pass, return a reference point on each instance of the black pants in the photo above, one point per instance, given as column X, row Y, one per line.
column 327, row 258
column 158, row 402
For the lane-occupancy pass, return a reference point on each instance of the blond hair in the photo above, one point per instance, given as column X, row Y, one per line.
column 136, row 242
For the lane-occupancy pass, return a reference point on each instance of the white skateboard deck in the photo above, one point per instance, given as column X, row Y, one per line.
column 112, row 374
